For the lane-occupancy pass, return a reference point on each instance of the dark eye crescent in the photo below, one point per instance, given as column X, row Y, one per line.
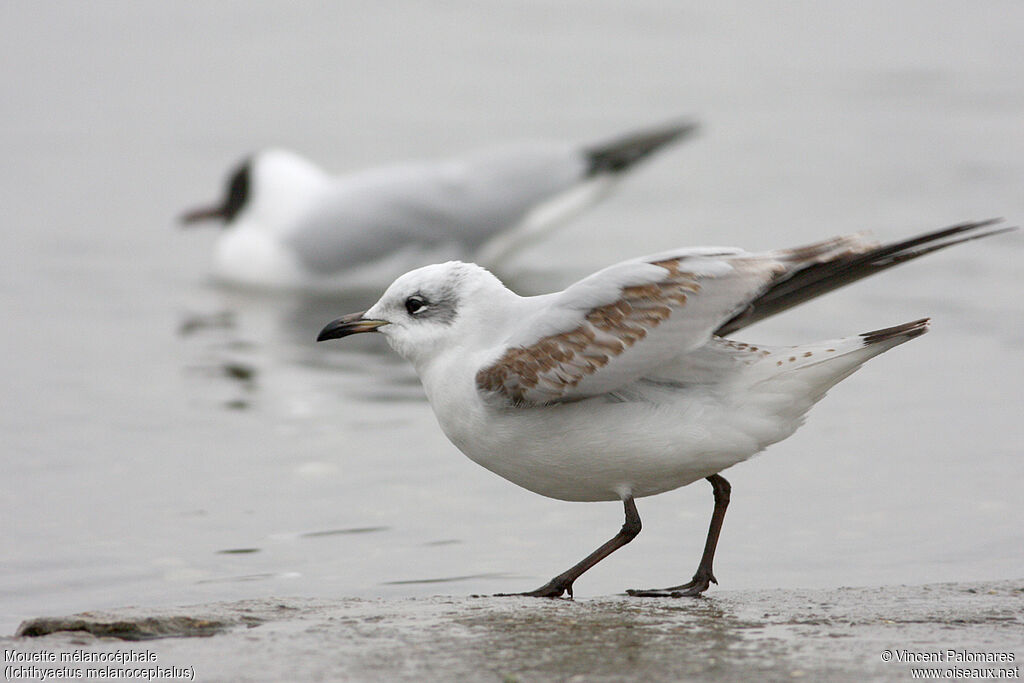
column 415, row 304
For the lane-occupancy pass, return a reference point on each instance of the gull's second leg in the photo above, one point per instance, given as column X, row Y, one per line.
column 704, row 576
column 563, row 582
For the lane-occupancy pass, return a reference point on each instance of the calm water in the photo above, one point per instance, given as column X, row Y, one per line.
column 168, row 442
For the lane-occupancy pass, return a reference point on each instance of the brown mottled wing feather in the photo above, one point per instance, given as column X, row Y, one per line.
column 612, row 327
column 557, row 363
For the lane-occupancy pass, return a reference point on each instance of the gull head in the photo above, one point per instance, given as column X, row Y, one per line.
column 431, row 310
column 268, row 187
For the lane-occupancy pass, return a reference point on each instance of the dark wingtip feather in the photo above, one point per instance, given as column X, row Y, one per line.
column 622, row 153
column 821, row 278
column 904, row 332
column 909, row 254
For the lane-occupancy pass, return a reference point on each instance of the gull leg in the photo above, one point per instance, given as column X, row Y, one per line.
column 704, row 576
column 563, row 582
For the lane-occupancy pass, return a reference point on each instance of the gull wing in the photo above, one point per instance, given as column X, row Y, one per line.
column 461, row 201
column 624, row 322
column 829, row 274
column 464, row 201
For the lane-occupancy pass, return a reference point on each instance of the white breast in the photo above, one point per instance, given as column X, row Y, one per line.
column 255, row 258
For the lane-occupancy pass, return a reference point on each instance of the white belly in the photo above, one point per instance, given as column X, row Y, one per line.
column 599, row 450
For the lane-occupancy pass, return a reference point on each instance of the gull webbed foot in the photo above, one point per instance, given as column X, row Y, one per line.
column 693, row 589
column 554, row 588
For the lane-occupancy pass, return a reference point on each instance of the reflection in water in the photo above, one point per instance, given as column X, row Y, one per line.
column 241, row 372
column 238, row 551
column 341, row 532
column 247, row 336
column 193, row 322
column 252, row 577
column 453, row 579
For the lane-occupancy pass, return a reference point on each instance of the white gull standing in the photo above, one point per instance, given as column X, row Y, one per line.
column 289, row 225
column 624, row 385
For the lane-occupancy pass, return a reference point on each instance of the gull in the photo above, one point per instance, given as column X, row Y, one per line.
column 289, row 225
column 625, row 385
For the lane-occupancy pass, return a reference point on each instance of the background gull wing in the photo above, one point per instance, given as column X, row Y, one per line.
column 625, row 321
column 459, row 201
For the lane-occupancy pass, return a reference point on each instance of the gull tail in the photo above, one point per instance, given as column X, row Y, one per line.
column 787, row 381
column 820, row 268
column 894, row 336
column 837, row 358
column 623, row 153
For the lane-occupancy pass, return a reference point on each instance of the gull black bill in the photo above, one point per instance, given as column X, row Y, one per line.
column 353, row 323
column 202, row 214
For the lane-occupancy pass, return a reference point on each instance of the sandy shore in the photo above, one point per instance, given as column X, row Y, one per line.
column 841, row 634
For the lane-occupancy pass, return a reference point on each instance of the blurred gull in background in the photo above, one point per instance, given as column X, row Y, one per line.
column 289, row 225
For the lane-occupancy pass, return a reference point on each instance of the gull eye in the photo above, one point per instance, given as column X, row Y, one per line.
column 415, row 304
